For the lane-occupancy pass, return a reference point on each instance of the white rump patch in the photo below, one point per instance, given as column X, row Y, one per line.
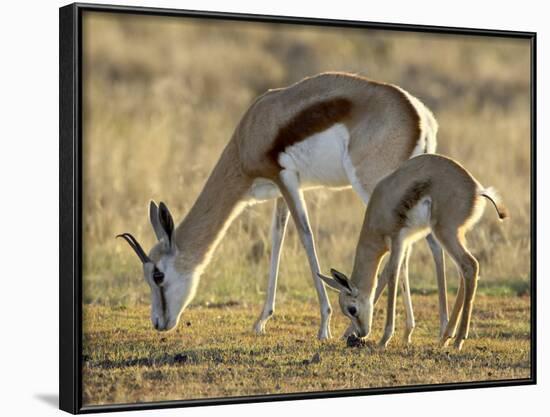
column 427, row 142
column 420, row 146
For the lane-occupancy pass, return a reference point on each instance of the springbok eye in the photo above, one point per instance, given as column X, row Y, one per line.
column 158, row 276
column 352, row 310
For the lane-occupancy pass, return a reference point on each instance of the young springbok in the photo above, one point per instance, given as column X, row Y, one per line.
column 332, row 130
column 428, row 193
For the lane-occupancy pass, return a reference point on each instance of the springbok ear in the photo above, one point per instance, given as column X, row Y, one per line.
column 332, row 284
column 155, row 221
column 343, row 281
column 166, row 221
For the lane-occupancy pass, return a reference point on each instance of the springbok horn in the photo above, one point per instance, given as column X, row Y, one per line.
column 135, row 246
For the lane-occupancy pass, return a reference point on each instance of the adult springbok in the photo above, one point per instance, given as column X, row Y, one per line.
column 427, row 194
column 331, row 130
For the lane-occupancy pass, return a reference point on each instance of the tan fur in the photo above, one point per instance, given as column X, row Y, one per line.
column 411, row 198
column 200, row 232
column 453, row 198
column 385, row 124
column 384, row 128
column 310, row 120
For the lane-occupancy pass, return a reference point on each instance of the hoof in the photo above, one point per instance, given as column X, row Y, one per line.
column 384, row 342
column 446, row 338
column 324, row 334
column 259, row 327
column 388, row 334
column 407, row 336
column 444, row 341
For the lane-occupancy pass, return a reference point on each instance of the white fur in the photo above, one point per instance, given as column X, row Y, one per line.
column 419, row 215
column 428, row 126
column 354, row 181
column 418, row 221
column 319, row 159
column 263, row 189
column 322, row 160
column 476, row 214
column 420, row 145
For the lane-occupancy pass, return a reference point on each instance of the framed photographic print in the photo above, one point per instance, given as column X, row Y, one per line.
column 246, row 200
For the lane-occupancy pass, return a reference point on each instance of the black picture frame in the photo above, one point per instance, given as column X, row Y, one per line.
column 70, row 205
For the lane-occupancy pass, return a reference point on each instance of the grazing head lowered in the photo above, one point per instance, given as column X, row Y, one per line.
column 171, row 289
column 356, row 307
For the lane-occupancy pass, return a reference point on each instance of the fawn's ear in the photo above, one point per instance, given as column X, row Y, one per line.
column 337, row 284
column 344, row 282
column 332, row 284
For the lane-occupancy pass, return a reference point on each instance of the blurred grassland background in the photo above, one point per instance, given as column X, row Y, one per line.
column 163, row 95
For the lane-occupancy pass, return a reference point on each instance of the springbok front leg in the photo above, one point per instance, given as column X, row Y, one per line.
column 278, row 228
column 290, row 189
column 394, row 264
column 406, row 293
column 439, row 260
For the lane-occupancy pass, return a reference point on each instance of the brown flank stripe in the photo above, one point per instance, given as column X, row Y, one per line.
column 313, row 119
column 410, row 199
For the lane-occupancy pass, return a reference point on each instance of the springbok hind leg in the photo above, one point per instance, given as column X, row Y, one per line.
column 450, row 330
column 454, row 243
column 278, row 228
column 470, row 270
column 439, row 260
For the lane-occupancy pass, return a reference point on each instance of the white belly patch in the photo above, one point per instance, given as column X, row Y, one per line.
column 319, row 159
column 419, row 215
column 418, row 221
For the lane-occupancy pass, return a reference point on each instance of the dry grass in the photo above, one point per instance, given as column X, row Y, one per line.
column 214, row 353
column 162, row 97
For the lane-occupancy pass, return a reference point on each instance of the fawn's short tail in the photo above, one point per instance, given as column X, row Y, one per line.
column 493, row 196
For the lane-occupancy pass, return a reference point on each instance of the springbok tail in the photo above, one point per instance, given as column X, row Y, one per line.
column 494, row 197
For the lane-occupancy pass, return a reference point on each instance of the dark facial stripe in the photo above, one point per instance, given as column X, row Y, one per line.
column 158, row 284
column 313, row 119
column 163, row 303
